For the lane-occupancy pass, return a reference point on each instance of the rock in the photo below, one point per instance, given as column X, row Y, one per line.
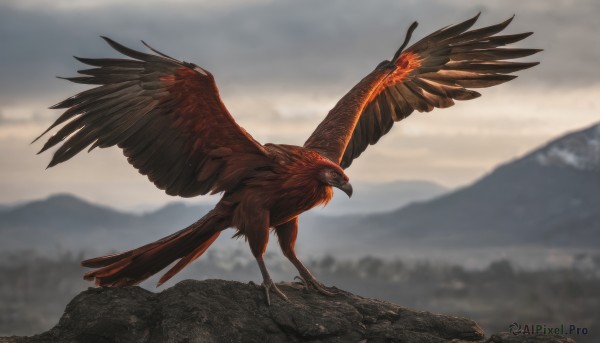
column 228, row 311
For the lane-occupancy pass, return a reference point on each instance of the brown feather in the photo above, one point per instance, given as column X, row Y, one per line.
column 431, row 73
column 159, row 111
column 134, row 266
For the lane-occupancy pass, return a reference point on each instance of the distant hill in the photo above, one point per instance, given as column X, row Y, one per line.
column 63, row 212
column 69, row 223
column 549, row 197
column 66, row 222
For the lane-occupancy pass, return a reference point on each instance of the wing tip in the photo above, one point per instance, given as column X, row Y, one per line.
column 507, row 21
column 53, row 162
column 526, row 34
column 80, row 59
column 158, row 52
column 113, row 44
column 474, row 19
column 36, row 139
column 110, row 41
column 409, row 33
column 529, row 52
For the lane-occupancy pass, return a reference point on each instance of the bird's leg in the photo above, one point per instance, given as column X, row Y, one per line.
column 258, row 237
column 287, row 234
column 268, row 283
column 308, row 278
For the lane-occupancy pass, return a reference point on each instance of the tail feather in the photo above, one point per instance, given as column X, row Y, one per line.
column 134, row 266
column 188, row 259
column 104, row 261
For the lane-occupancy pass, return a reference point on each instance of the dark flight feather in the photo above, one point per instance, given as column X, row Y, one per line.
column 432, row 73
column 166, row 115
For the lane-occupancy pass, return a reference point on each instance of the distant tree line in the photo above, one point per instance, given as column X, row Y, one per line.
column 34, row 290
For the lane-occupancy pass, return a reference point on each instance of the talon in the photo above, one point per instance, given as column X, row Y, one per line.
column 301, row 280
column 318, row 286
column 267, row 294
column 269, row 285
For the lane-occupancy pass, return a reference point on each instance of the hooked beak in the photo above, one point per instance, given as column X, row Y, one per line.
column 346, row 188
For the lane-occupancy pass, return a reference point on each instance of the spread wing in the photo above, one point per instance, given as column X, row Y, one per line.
column 166, row 116
column 432, row 73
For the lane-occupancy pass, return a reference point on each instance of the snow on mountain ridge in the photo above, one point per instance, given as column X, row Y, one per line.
column 580, row 150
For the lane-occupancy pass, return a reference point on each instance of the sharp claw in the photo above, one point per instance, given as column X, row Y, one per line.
column 325, row 291
column 305, row 287
column 316, row 284
column 268, row 285
column 280, row 293
column 302, row 281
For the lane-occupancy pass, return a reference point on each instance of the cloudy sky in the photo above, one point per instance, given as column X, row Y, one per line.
column 280, row 66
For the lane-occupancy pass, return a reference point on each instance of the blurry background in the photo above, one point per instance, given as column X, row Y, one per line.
column 489, row 209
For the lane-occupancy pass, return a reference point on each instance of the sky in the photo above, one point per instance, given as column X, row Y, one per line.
column 280, row 66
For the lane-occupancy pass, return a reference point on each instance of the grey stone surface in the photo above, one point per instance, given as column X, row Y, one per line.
column 228, row 311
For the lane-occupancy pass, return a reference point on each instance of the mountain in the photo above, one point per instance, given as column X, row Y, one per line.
column 66, row 222
column 62, row 212
column 579, row 150
column 549, row 197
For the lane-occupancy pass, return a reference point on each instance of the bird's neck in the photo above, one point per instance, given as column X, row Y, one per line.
column 298, row 169
column 305, row 184
column 310, row 194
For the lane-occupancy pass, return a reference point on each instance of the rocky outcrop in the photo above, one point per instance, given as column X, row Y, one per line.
column 227, row 311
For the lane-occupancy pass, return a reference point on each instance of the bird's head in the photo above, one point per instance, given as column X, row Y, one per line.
column 332, row 175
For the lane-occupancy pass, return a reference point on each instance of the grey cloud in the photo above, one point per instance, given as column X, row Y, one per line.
column 309, row 46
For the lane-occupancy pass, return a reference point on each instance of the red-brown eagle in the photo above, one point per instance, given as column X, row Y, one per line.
column 167, row 117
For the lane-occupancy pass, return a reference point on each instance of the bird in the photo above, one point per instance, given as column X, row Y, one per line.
column 168, row 119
